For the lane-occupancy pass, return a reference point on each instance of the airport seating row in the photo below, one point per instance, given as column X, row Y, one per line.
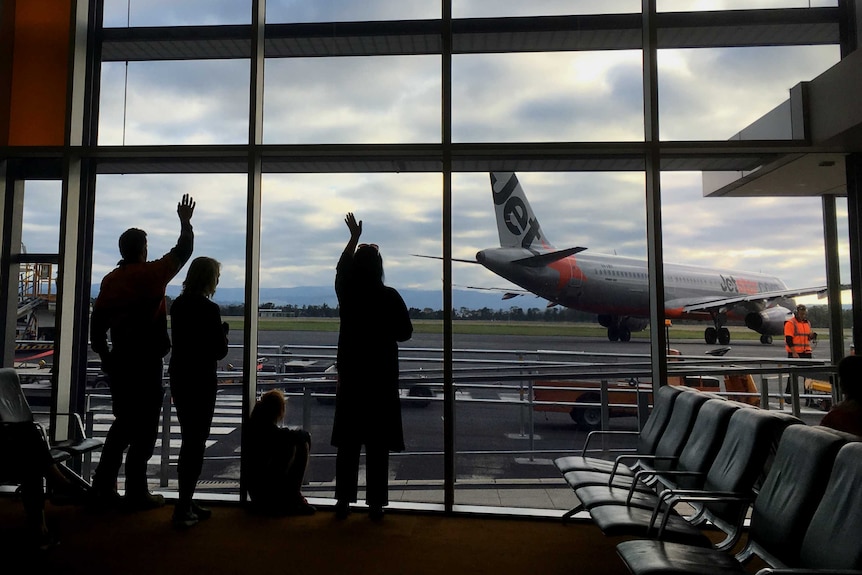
column 806, row 518
column 708, row 445
column 725, row 459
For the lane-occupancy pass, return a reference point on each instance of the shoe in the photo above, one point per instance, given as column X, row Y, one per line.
column 342, row 510
column 102, row 499
column 184, row 518
column 302, row 507
column 144, row 501
column 46, row 541
column 203, row 513
column 376, row 513
column 70, row 494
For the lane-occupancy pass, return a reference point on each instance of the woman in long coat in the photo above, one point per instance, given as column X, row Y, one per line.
column 374, row 319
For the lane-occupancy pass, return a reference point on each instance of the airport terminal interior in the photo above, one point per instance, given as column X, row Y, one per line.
column 279, row 117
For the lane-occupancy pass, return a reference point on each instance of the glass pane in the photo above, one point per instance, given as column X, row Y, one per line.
column 289, row 11
column 189, row 102
column 711, row 94
column 35, row 328
column 40, row 231
column 743, row 233
column 395, row 99
column 566, row 96
column 149, row 202
column 485, row 9
column 302, row 236
column 122, row 13
column 514, row 350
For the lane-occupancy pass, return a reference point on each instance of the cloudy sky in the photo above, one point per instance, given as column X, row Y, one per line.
column 705, row 95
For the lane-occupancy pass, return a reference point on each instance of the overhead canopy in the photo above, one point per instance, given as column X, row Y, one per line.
column 825, row 116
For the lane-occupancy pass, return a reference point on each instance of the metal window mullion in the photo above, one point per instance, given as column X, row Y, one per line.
column 658, row 337
column 448, row 352
column 253, row 210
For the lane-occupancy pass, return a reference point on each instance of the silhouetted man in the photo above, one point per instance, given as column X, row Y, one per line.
column 131, row 304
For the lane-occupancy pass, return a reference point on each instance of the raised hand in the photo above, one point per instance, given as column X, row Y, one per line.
column 354, row 226
column 186, row 208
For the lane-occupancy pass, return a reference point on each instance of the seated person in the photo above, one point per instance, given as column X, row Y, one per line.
column 276, row 460
column 27, row 460
column 847, row 415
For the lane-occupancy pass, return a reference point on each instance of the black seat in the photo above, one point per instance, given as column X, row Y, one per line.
column 14, row 409
column 647, row 438
column 751, row 440
column 683, row 415
column 807, row 515
column 688, row 471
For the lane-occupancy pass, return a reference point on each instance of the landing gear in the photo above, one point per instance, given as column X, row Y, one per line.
column 720, row 335
column 710, row 335
column 619, row 333
column 766, row 339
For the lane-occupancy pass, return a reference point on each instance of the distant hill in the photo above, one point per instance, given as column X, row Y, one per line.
column 421, row 299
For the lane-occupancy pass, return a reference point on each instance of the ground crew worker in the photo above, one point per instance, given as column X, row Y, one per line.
column 798, row 335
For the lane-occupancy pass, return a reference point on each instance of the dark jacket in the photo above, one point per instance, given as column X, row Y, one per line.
column 131, row 304
column 199, row 341
column 373, row 320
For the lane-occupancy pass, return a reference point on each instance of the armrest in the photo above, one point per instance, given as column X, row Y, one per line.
column 79, row 422
column 603, row 432
column 670, row 497
column 642, row 473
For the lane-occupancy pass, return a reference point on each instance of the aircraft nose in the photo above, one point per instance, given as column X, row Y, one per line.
column 480, row 257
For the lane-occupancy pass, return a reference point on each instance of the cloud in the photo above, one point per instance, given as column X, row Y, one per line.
column 582, row 97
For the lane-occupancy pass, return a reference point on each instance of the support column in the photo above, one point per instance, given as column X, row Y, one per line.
column 833, row 279
column 448, row 352
column 853, row 163
column 652, row 159
column 11, row 214
column 253, row 208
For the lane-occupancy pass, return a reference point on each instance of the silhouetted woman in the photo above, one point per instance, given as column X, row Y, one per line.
column 277, row 458
column 199, row 341
column 367, row 405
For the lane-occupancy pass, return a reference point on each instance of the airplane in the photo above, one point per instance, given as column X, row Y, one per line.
column 616, row 288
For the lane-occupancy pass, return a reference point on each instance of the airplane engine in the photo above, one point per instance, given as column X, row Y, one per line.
column 769, row 321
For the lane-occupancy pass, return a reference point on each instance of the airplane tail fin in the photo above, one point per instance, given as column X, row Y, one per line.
column 516, row 223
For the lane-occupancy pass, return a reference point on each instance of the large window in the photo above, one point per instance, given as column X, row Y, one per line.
column 363, row 111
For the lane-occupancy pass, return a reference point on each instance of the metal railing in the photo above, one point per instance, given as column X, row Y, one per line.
column 515, row 380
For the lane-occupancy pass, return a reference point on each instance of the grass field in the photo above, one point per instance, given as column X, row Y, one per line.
column 693, row 332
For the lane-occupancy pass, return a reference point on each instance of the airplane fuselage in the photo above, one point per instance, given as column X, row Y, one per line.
column 619, row 286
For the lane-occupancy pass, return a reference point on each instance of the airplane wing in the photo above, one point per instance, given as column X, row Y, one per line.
column 542, row 260
column 507, row 293
column 440, row 258
column 534, row 261
column 762, row 298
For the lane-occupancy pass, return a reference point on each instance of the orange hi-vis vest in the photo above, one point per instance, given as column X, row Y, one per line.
column 800, row 331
